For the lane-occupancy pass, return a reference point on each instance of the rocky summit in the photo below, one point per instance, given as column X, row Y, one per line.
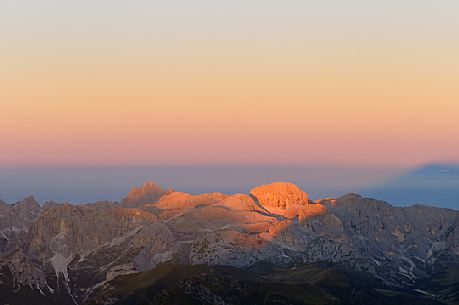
column 147, row 249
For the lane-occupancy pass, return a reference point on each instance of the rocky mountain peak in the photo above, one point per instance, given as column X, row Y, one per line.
column 27, row 206
column 149, row 192
column 18, row 217
column 279, row 197
column 29, row 202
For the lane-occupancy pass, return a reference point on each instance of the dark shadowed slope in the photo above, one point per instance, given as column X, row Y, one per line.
column 313, row 284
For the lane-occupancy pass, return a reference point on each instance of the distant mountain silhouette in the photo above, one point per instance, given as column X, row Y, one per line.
column 432, row 184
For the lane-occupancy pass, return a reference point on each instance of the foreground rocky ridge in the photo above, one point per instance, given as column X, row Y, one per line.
column 65, row 253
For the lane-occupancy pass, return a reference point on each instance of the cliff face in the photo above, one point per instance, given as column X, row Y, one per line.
column 280, row 197
column 18, row 217
column 15, row 222
column 65, row 252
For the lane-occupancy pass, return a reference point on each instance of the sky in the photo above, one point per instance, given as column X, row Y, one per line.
column 229, row 82
column 92, row 183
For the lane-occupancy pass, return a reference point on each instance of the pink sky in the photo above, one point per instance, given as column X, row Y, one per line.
column 133, row 85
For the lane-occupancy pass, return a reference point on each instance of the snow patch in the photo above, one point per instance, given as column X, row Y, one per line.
column 410, row 262
column 50, row 289
column 406, row 273
column 420, row 259
column 424, row 292
column 39, row 288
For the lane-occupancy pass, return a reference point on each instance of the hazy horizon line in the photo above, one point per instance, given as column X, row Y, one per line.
column 224, row 165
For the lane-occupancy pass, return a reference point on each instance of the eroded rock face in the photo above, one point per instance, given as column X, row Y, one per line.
column 15, row 222
column 280, row 197
column 18, row 216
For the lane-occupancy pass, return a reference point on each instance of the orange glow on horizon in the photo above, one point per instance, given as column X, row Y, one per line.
column 277, row 91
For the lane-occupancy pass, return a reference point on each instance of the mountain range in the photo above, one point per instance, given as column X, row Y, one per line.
column 273, row 245
column 430, row 184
